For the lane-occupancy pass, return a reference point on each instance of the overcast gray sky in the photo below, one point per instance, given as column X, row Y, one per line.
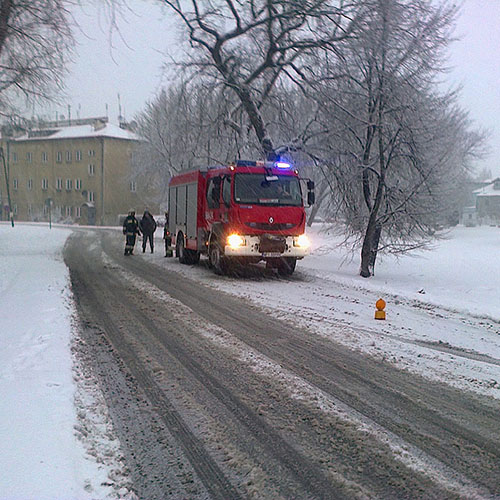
column 475, row 59
column 132, row 67
column 107, row 62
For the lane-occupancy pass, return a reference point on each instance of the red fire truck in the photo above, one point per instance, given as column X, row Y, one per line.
column 239, row 214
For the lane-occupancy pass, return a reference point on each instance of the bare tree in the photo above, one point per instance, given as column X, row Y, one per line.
column 250, row 45
column 403, row 145
column 35, row 38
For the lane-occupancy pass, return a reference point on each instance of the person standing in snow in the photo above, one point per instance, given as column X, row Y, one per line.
column 130, row 230
column 167, row 237
column 147, row 227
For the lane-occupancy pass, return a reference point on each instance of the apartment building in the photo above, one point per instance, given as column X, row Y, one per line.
column 78, row 172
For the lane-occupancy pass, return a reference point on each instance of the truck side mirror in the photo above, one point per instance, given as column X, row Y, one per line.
column 310, row 185
column 311, row 198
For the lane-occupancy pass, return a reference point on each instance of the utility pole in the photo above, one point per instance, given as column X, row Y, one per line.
column 48, row 202
column 120, row 118
column 11, row 214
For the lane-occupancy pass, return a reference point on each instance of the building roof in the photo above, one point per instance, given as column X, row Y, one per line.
column 492, row 189
column 97, row 129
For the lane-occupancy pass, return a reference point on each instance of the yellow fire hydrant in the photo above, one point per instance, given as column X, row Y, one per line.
column 380, row 305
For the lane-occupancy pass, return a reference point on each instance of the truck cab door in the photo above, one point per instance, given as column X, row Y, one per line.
column 226, row 198
column 213, row 200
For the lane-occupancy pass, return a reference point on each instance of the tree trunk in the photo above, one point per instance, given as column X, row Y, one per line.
column 373, row 228
column 374, row 248
column 323, row 192
column 313, row 213
column 366, row 249
column 256, row 120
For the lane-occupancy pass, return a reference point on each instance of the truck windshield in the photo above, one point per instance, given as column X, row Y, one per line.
column 258, row 189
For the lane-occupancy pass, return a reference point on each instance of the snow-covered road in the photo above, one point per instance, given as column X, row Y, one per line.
column 443, row 306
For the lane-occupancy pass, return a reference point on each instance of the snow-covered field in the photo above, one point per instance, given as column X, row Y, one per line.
column 443, row 321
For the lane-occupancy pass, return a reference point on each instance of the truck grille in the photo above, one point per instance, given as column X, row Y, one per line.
column 270, row 227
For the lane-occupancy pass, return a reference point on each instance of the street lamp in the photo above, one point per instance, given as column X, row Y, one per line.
column 48, row 202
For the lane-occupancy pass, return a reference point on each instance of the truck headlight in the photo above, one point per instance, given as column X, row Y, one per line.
column 301, row 241
column 235, row 240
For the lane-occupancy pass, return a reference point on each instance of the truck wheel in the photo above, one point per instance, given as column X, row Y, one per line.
column 217, row 260
column 286, row 266
column 180, row 250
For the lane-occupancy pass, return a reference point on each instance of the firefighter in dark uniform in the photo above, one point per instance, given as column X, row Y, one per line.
column 130, row 230
column 168, row 238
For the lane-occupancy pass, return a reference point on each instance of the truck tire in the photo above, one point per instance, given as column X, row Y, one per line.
column 286, row 266
column 180, row 249
column 217, row 260
column 186, row 256
column 192, row 256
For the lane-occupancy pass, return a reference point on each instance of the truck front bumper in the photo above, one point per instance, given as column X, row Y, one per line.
column 251, row 248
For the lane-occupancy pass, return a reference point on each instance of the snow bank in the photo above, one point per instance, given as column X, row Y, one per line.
column 41, row 458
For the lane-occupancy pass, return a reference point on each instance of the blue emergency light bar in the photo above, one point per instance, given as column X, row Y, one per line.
column 282, row 165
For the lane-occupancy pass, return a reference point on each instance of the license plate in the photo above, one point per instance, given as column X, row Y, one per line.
column 271, row 254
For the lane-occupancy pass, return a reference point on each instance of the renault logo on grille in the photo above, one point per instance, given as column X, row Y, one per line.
column 271, row 220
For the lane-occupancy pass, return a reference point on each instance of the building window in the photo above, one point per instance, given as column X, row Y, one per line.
column 45, row 184
column 15, row 184
column 68, row 211
column 30, row 184
column 78, row 212
column 59, row 157
column 91, row 169
column 59, row 184
column 45, row 209
column 133, row 186
column 45, row 157
column 78, row 156
column 14, row 157
column 29, row 157
column 91, row 196
column 30, row 209
column 69, row 156
column 14, row 208
column 78, row 184
column 69, row 184
column 91, row 153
